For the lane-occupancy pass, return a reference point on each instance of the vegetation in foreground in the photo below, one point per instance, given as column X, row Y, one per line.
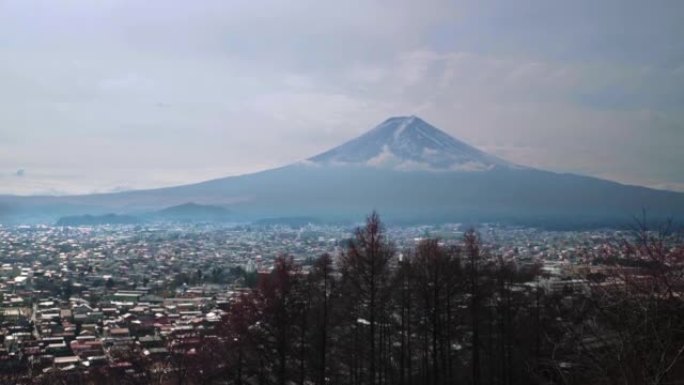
column 434, row 315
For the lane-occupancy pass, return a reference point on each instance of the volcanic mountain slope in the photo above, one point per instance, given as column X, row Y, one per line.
column 410, row 144
column 407, row 169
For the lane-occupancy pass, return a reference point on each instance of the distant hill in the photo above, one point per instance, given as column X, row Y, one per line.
column 94, row 220
column 192, row 212
column 407, row 169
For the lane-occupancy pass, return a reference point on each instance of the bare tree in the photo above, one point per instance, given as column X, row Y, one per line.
column 629, row 327
column 366, row 271
column 323, row 299
column 472, row 250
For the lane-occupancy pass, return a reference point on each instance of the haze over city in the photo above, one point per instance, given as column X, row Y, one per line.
column 118, row 95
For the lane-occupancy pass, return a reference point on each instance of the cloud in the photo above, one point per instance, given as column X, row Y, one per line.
column 384, row 159
column 249, row 85
column 20, row 173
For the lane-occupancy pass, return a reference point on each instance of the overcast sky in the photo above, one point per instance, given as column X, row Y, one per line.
column 114, row 94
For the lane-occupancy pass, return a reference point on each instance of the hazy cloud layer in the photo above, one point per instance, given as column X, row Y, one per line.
column 107, row 95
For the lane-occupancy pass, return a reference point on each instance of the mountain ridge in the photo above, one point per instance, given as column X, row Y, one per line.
column 429, row 177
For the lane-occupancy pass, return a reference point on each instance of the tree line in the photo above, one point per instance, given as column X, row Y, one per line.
column 457, row 315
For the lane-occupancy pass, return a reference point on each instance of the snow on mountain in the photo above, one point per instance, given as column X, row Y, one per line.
column 509, row 193
column 409, row 144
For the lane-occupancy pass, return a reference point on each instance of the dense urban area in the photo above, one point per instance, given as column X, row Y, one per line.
column 324, row 304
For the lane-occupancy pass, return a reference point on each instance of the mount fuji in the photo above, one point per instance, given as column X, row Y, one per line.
column 410, row 143
column 408, row 170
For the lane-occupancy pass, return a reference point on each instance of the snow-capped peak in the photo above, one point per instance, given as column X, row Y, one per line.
column 409, row 143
